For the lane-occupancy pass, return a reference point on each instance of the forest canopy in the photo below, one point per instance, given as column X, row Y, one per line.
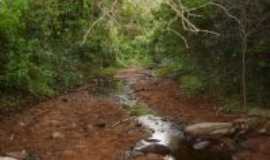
column 218, row 48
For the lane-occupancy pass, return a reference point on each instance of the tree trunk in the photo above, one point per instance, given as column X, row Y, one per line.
column 244, row 72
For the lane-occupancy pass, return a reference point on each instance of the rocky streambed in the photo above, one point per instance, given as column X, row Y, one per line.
column 166, row 137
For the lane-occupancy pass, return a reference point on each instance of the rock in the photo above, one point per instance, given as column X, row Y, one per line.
column 22, row 124
column 18, row 155
column 7, row 158
column 12, row 136
column 74, row 125
column 64, row 99
column 101, row 125
column 266, row 128
column 90, row 127
column 54, row 122
column 152, row 147
column 169, row 157
column 210, row 129
column 58, row 135
column 201, row 145
column 263, row 131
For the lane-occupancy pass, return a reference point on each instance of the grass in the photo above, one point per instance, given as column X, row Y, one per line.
column 140, row 110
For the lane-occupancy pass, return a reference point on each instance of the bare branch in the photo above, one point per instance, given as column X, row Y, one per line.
column 179, row 35
column 90, row 29
column 227, row 12
column 184, row 13
column 106, row 13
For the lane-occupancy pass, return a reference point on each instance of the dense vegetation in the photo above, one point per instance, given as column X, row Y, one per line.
column 226, row 53
column 217, row 48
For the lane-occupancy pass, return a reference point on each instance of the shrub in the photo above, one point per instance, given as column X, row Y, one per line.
column 191, row 84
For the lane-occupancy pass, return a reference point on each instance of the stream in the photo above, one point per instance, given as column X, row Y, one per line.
column 165, row 138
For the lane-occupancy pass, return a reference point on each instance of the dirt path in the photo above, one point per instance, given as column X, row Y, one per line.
column 77, row 126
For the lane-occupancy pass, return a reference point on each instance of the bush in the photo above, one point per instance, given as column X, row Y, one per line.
column 40, row 49
column 191, row 84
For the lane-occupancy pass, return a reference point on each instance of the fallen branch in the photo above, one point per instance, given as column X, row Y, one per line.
column 122, row 121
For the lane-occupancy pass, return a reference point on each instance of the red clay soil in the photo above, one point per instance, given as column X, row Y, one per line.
column 166, row 98
column 76, row 126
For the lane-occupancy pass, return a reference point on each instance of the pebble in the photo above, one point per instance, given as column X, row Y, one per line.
column 22, row 124
column 58, row 135
column 90, row 127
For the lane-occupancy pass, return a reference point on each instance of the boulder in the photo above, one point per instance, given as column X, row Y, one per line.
column 210, row 129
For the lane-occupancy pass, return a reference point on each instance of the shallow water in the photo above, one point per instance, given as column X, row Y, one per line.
column 164, row 133
column 166, row 138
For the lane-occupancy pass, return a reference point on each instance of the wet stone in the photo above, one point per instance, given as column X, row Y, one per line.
column 165, row 136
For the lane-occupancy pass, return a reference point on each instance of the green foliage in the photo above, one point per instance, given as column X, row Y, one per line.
column 191, row 84
column 40, row 49
column 108, row 72
column 167, row 69
column 231, row 105
column 212, row 64
column 42, row 53
column 195, row 3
